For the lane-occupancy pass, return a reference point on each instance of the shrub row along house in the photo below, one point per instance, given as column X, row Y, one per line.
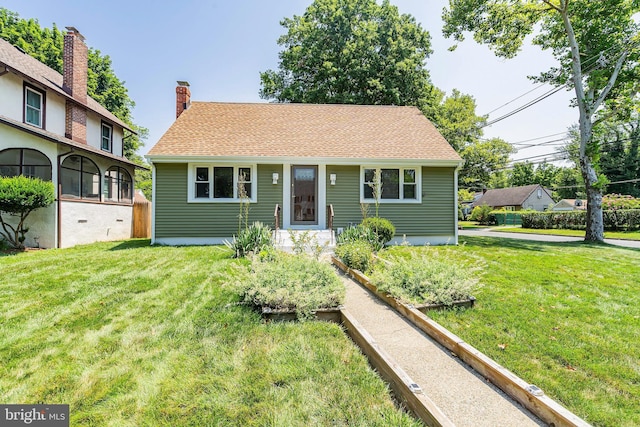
column 301, row 162
column 51, row 129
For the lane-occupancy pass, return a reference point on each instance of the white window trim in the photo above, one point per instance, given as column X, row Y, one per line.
column 107, row 125
column 27, row 106
column 401, row 169
column 191, row 182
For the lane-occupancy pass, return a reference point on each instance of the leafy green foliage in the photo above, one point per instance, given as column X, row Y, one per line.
column 428, row 278
column 382, row 227
column 356, row 254
column 46, row 45
column 482, row 159
column 251, row 240
column 352, row 52
column 619, row 201
column 614, row 219
column 292, row 282
column 357, row 233
column 19, row 196
column 482, row 214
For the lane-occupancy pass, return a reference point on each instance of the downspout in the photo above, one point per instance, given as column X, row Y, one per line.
column 59, row 207
column 455, row 200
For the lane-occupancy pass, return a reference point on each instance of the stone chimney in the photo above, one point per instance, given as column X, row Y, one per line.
column 183, row 97
column 74, row 82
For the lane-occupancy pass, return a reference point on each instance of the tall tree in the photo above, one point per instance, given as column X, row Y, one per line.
column 46, row 44
column 482, row 160
column 523, row 173
column 456, row 119
column 595, row 44
column 352, row 52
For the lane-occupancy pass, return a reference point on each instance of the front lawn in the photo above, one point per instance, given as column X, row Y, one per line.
column 624, row 235
column 133, row 335
column 565, row 317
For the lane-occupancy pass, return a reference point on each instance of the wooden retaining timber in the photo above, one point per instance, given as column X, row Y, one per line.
column 406, row 391
column 404, row 388
column 543, row 406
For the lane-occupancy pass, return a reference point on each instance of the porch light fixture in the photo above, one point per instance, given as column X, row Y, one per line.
column 275, row 177
column 332, row 178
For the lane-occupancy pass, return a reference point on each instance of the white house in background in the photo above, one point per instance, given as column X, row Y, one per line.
column 51, row 129
column 533, row 197
column 570, row 205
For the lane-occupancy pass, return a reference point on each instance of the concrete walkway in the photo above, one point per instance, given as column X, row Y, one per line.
column 488, row 232
column 462, row 395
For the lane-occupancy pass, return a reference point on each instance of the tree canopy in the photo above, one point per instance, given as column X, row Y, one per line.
column 595, row 44
column 46, row 45
column 352, row 52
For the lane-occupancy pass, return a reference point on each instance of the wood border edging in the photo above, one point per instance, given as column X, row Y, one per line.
column 543, row 406
column 401, row 384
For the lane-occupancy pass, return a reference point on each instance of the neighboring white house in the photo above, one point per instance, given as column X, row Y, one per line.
column 570, row 205
column 533, row 197
column 51, row 129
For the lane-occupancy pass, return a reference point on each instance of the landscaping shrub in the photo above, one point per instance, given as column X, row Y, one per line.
column 294, row 282
column 19, row 196
column 619, row 201
column 427, row 279
column 614, row 219
column 252, row 239
column 359, row 233
column 482, row 215
column 382, row 227
column 357, row 254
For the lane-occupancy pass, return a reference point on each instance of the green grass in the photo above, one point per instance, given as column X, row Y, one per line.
column 133, row 335
column 469, row 225
column 565, row 317
column 624, row 235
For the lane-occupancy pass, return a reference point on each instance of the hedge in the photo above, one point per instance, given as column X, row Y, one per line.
column 618, row 219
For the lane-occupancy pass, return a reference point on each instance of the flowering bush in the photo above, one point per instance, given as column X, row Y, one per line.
column 619, row 201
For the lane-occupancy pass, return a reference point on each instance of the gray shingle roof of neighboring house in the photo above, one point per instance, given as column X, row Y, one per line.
column 514, row 196
column 304, row 130
column 37, row 72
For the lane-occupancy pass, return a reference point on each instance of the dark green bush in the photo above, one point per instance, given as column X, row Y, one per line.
column 19, row 196
column 293, row 282
column 615, row 219
column 357, row 254
column 359, row 233
column 482, row 215
column 384, row 229
column 253, row 239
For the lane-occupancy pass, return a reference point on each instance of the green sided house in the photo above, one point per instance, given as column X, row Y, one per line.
column 302, row 167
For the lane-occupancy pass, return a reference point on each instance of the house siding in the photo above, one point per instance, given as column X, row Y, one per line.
column 433, row 217
column 175, row 218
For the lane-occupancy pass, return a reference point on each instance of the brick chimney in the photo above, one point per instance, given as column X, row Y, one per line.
column 183, row 97
column 74, row 82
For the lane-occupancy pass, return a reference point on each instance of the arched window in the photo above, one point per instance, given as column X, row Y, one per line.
column 25, row 161
column 80, row 178
column 118, row 186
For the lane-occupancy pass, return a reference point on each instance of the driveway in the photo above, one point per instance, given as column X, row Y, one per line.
column 487, row 232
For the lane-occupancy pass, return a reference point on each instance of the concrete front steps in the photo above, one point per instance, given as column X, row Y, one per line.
column 309, row 239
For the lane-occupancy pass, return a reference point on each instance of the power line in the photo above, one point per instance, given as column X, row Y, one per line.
column 516, row 98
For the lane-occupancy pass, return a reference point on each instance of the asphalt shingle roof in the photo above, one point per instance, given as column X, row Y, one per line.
column 304, row 131
column 513, row 196
column 38, row 72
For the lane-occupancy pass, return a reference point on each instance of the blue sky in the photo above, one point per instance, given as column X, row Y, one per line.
column 220, row 47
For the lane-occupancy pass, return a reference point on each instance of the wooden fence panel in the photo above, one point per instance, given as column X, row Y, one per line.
column 141, row 219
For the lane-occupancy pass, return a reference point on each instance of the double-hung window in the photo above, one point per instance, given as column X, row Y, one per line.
column 33, row 107
column 107, row 137
column 221, row 183
column 390, row 185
